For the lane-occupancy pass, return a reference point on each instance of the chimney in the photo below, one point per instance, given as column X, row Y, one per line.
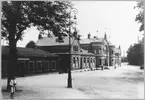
column 89, row 36
column 105, row 36
column 119, row 47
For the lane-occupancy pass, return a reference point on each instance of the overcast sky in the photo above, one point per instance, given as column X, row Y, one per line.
column 118, row 17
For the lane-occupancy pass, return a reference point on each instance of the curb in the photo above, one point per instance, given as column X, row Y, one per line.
column 83, row 70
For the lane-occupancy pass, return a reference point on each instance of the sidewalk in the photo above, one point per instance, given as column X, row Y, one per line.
column 51, row 93
column 49, row 86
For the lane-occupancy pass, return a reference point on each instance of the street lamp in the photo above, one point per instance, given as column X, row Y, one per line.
column 69, row 85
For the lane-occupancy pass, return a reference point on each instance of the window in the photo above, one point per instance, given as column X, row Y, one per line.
column 31, row 66
column 112, row 51
column 94, row 60
column 53, row 65
column 75, row 48
column 46, row 65
column 88, row 60
column 77, row 60
column 39, row 65
column 21, row 66
column 91, row 60
column 100, row 61
column 74, row 61
column 84, row 60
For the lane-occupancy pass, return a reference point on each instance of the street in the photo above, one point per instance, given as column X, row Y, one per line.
column 126, row 82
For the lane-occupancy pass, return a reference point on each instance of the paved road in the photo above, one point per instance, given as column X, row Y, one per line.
column 123, row 82
column 126, row 82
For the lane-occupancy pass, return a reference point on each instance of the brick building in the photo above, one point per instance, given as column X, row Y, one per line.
column 97, row 46
column 106, row 53
column 30, row 61
column 79, row 58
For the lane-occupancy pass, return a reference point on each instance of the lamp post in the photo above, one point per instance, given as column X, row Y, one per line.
column 69, row 85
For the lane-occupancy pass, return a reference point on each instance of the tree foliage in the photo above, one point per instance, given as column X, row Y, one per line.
column 140, row 16
column 45, row 15
column 135, row 54
column 17, row 16
column 31, row 44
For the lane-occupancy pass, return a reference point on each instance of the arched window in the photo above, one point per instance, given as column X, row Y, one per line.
column 94, row 60
column 84, row 60
column 74, row 61
column 77, row 59
column 88, row 60
column 77, row 62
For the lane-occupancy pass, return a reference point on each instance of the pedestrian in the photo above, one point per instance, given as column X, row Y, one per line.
column 13, row 87
column 115, row 66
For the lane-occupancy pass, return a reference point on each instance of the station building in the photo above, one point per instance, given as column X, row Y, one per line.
column 106, row 53
column 80, row 58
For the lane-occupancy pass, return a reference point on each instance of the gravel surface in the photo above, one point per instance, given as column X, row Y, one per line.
column 126, row 82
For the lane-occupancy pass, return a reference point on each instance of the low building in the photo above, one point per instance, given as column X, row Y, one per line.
column 30, row 61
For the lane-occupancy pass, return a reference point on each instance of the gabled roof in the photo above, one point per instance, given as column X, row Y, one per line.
column 52, row 41
column 27, row 52
column 91, row 40
column 82, row 52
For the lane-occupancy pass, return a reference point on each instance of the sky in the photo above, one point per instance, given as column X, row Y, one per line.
column 116, row 18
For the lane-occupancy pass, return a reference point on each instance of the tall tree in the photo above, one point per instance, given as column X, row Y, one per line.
column 17, row 16
column 140, row 16
column 31, row 44
column 135, row 54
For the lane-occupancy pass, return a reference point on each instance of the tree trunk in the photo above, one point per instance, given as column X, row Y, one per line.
column 12, row 59
column 13, row 62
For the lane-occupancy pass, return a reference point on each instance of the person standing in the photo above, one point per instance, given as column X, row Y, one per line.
column 13, row 87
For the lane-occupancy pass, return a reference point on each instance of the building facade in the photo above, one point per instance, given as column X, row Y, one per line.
column 118, row 56
column 111, row 54
column 97, row 46
column 79, row 58
column 30, row 61
column 106, row 53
